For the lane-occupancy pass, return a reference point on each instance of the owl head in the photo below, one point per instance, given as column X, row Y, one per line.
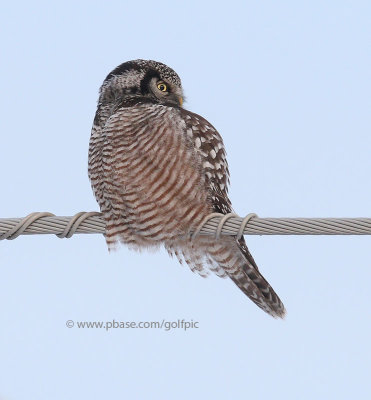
column 141, row 81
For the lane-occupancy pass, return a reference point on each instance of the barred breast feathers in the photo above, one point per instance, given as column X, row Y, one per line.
column 150, row 176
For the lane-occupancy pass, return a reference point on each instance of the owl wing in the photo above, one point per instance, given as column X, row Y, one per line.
column 209, row 145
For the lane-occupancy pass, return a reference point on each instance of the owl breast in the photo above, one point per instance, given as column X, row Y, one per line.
column 150, row 182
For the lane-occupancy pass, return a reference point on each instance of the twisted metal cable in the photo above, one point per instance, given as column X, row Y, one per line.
column 214, row 224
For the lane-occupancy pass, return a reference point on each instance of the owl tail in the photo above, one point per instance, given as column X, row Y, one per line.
column 237, row 262
column 229, row 257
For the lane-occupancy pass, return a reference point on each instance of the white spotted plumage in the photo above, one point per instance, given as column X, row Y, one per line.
column 157, row 170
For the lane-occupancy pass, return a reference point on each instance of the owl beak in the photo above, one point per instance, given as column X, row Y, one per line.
column 180, row 101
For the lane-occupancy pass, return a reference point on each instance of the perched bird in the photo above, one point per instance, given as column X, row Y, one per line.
column 157, row 170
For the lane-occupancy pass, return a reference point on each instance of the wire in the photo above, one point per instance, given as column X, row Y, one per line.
column 41, row 223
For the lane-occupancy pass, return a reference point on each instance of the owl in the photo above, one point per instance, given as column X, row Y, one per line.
column 157, row 170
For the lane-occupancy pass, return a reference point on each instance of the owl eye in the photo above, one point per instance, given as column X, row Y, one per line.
column 162, row 86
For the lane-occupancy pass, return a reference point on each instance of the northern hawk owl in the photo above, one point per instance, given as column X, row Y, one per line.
column 157, row 170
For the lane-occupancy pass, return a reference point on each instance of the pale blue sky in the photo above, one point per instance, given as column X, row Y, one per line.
column 288, row 86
